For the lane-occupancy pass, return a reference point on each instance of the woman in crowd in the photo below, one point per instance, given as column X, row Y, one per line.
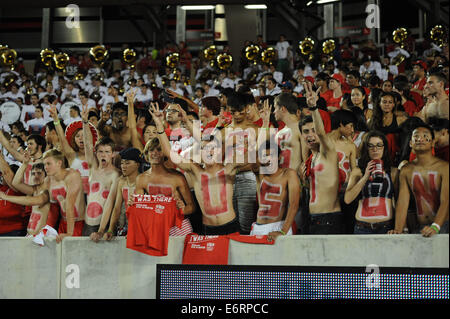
column 358, row 98
column 374, row 188
column 408, row 103
column 386, row 120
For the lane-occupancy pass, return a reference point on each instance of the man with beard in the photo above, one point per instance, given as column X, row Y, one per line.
column 119, row 131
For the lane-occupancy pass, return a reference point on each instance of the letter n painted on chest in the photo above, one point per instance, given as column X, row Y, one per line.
column 423, row 196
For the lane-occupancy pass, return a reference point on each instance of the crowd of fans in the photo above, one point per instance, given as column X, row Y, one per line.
column 347, row 143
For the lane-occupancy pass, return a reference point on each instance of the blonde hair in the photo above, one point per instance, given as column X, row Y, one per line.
column 150, row 146
column 57, row 156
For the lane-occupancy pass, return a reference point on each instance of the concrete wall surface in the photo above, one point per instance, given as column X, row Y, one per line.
column 80, row 268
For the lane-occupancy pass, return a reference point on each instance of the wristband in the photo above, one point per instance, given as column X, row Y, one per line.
column 85, row 122
column 282, row 232
column 435, row 227
column 110, row 231
column 56, row 122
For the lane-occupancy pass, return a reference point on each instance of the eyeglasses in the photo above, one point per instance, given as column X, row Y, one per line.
column 372, row 146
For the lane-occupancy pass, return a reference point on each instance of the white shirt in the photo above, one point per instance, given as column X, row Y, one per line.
column 46, row 107
column 109, row 99
column 212, row 92
column 72, row 94
column 71, row 119
column 393, row 69
column 30, row 109
column 278, row 76
column 144, row 98
column 282, row 48
column 36, row 125
column 13, row 96
column 374, row 66
column 91, row 103
column 274, row 91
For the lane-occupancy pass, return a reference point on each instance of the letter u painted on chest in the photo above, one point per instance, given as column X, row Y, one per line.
column 221, row 196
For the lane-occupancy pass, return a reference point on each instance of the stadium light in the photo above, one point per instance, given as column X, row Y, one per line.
column 206, row 7
column 255, row 6
column 326, row 1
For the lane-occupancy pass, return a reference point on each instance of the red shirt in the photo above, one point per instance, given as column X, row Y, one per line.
column 419, row 84
column 12, row 216
column 410, row 107
column 326, row 120
column 208, row 129
column 213, row 250
column 331, row 100
column 205, row 250
column 419, row 100
column 149, row 222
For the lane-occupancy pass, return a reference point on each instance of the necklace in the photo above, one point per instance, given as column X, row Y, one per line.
column 130, row 185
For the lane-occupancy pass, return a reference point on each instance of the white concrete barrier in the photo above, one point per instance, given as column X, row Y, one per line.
column 79, row 268
column 29, row 271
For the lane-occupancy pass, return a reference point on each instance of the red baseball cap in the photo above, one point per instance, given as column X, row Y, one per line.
column 310, row 79
column 338, row 77
column 422, row 64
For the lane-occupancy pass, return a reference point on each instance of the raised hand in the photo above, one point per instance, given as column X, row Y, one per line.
column 84, row 113
column 53, row 111
column 265, row 113
column 173, row 94
column 131, row 94
column 311, row 96
column 26, row 157
column 157, row 115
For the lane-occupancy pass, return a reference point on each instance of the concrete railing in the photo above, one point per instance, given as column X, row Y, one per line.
column 79, row 268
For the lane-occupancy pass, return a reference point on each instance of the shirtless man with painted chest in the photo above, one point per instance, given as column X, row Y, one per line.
column 321, row 171
column 427, row 179
column 213, row 181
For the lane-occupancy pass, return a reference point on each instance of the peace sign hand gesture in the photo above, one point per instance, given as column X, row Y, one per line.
column 311, row 96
